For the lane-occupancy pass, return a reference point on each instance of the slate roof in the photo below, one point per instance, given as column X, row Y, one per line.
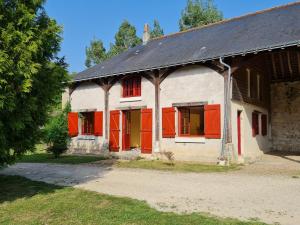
column 269, row 29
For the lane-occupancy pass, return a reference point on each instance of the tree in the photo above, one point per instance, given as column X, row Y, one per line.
column 56, row 133
column 95, row 54
column 199, row 13
column 157, row 31
column 31, row 75
column 125, row 38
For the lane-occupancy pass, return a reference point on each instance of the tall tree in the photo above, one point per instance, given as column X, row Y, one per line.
column 31, row 75
column 198, row 13
column 125, row 38
column 157, row 31
column 95, row 53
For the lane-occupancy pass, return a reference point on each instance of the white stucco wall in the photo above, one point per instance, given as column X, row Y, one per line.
column 251, row 147
column 192, row 84
column 146, row 100
column 87, row 97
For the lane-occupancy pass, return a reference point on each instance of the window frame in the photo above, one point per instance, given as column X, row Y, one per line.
column 91, row 118
column 131, row 87
column 180, row 134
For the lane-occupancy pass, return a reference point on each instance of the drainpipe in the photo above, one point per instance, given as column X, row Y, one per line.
column 227, row 112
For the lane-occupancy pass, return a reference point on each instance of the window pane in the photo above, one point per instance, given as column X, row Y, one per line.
column 196, row 121
column 87, row 123
column 192, row 121
column 184, row 121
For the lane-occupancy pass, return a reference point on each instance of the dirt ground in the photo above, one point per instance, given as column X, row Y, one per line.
column 268, row 190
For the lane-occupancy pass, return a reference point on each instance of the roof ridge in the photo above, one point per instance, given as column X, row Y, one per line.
column 229, row 20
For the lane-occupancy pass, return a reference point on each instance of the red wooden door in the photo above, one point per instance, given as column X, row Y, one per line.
column 239, row 132
column 146, row 130
column 126, row 130
column 114, row 130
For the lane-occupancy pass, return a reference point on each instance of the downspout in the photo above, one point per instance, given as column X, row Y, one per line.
column 227, row 113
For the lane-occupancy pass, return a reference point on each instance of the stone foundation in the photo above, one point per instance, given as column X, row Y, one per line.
column 285, row 107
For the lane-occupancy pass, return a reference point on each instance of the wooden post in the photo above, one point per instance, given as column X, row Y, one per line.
column 157, row 106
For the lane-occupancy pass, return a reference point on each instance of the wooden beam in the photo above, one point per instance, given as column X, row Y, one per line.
column 281, row 64
column 298, row 62
column 274, row 65
column 289, row 63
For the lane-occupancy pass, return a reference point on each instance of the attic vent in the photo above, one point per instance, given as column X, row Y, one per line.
column 102, row 67
column 160, row 43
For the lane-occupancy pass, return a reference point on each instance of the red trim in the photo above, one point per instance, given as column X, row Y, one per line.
column 73, row 124
column 168, row 122
column 212, row 121
column 239, row 132
column 255, row 124
column 180, row 134
column 114, row 133
column 264, row 125
column 131, row 87
column 146, row 130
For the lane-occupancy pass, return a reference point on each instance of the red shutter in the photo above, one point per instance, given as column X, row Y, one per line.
column 168, row 122
column 212, row 121
column 114, row 130
column 73, row 123
column 98, row 123
column 255, row 126
column 264, row 124
column 146, row 130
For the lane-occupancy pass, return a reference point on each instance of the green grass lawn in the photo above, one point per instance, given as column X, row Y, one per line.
column 28, row 202
column 41, row 156
column 65, row 159
column 177, row 166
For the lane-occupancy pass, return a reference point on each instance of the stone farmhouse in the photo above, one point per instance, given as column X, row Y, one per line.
column 225, row 90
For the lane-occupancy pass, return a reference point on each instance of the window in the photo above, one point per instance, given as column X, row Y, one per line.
column 191, row 121
column 264, row 125
column 255, row 124
column 87, row 123
column 131, row 87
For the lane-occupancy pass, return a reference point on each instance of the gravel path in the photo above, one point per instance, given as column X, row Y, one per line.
column 245, row 194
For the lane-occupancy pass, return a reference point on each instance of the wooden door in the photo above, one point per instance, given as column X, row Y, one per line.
column 126, row 121
column 146, row 130
column 114, row 130
column 239, row 138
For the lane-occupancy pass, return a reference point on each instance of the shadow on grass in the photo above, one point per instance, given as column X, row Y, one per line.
column 64, row 159
column 15, row 187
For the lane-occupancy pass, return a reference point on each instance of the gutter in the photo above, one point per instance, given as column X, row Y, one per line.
column 226, row 137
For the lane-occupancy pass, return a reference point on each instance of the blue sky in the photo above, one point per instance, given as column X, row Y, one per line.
column 83, row 20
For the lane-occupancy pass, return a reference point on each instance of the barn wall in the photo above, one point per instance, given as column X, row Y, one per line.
column 146, row 100
column 87, row 96
column 285, row 106
column 252, row 147
column 192, row 84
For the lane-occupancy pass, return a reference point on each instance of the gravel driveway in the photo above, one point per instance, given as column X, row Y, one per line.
column 246, row 194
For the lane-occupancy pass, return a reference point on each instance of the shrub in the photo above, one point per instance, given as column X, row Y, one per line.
column 56, row 134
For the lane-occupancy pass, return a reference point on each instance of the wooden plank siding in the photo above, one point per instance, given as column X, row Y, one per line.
column 240, row 85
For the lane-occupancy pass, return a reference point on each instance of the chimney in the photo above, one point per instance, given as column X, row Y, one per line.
column 146, row 34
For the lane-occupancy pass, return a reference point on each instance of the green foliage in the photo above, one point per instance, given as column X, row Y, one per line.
column 95, row 54
column 125, row 38
column 199, row 13
column 56, row 132
column 157, row 31
column 31, row 76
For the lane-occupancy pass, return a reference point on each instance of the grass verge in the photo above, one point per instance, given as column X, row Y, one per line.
column 28, row 202
column 177, row 166
column 41, row 156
